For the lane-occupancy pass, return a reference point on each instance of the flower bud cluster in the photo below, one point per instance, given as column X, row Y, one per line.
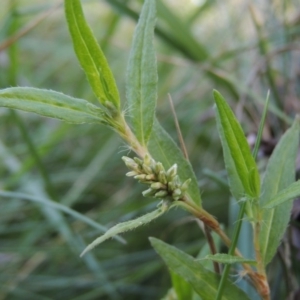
column 162, row 184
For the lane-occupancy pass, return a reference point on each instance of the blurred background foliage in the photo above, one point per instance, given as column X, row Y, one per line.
column 242, row 48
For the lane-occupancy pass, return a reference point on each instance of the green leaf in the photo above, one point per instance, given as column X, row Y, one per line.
column 289, row 193
column 91, row 57
column 280, row 174
column 182, row 288
column 228, row 259
column 240, row 165
column 163, row 149
column 51, row 104
column 204, row 282
column 128, row 225
column 142, row 75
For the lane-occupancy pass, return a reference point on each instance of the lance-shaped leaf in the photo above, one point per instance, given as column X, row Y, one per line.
column 91, row 57
column 204, row 282
column 289, row 193
column 127, row 226
column 280, row 173
column 142, row 75
column 240, row 165
column 181, row 287
column 228, row 259
column 51, row 104
column 163, row 149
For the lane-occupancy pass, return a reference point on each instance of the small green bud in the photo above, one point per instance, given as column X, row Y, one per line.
column 158, row 186
column 185, row 185
column 161, row 194
column 148, row 160
column 162, row 177
column 177, row 192
column 140, row 177
column 171, row 186
column 148, row 193
column 171, row 173
column 130, row 163
column 176, row 181
column 150, row 177
column 138, row 161
column 132, row 173
column 159, row 168
column 147, row 169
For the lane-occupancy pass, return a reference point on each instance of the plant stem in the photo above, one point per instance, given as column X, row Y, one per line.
column 236, row 234
column 126, row 133
column 212, row 247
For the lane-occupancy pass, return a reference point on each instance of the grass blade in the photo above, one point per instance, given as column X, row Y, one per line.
column 59, row 207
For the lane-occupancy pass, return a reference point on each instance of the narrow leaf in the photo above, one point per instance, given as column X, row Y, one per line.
column 51, row 104
column 59, row 207
column 289, row 193
column 280, row 174
column 182, row 288
column 126, row 226
column 239, row 162
column 204, row 282
column 142, row 75
column 163, row 149
column 91, row 57
column 228, row 259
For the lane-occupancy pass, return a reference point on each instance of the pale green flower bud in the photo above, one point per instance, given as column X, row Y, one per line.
column 150, row 177
column 159, row 168
column 171, row 173
column 158, row 186
column 147, row 160
column 176, row 181
column 185, row 185
column 147, row 169
column 140, row 177
column 162, row 177
column 161, row 194
column 177, row 192
column 148, row 193
column 171, row 186
column 132, row 173
column 138, row 161
column 130, row 163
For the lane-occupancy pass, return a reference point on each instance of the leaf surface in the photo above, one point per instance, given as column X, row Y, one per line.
column 142, row 74
column 280, row 174
column 240, row 165
column 91, row 57
column 51, row 104
column 204, row 282
column 289, row 193
column 182, row 288
column 163, row 149
column 228, row 259
column 126, row 226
